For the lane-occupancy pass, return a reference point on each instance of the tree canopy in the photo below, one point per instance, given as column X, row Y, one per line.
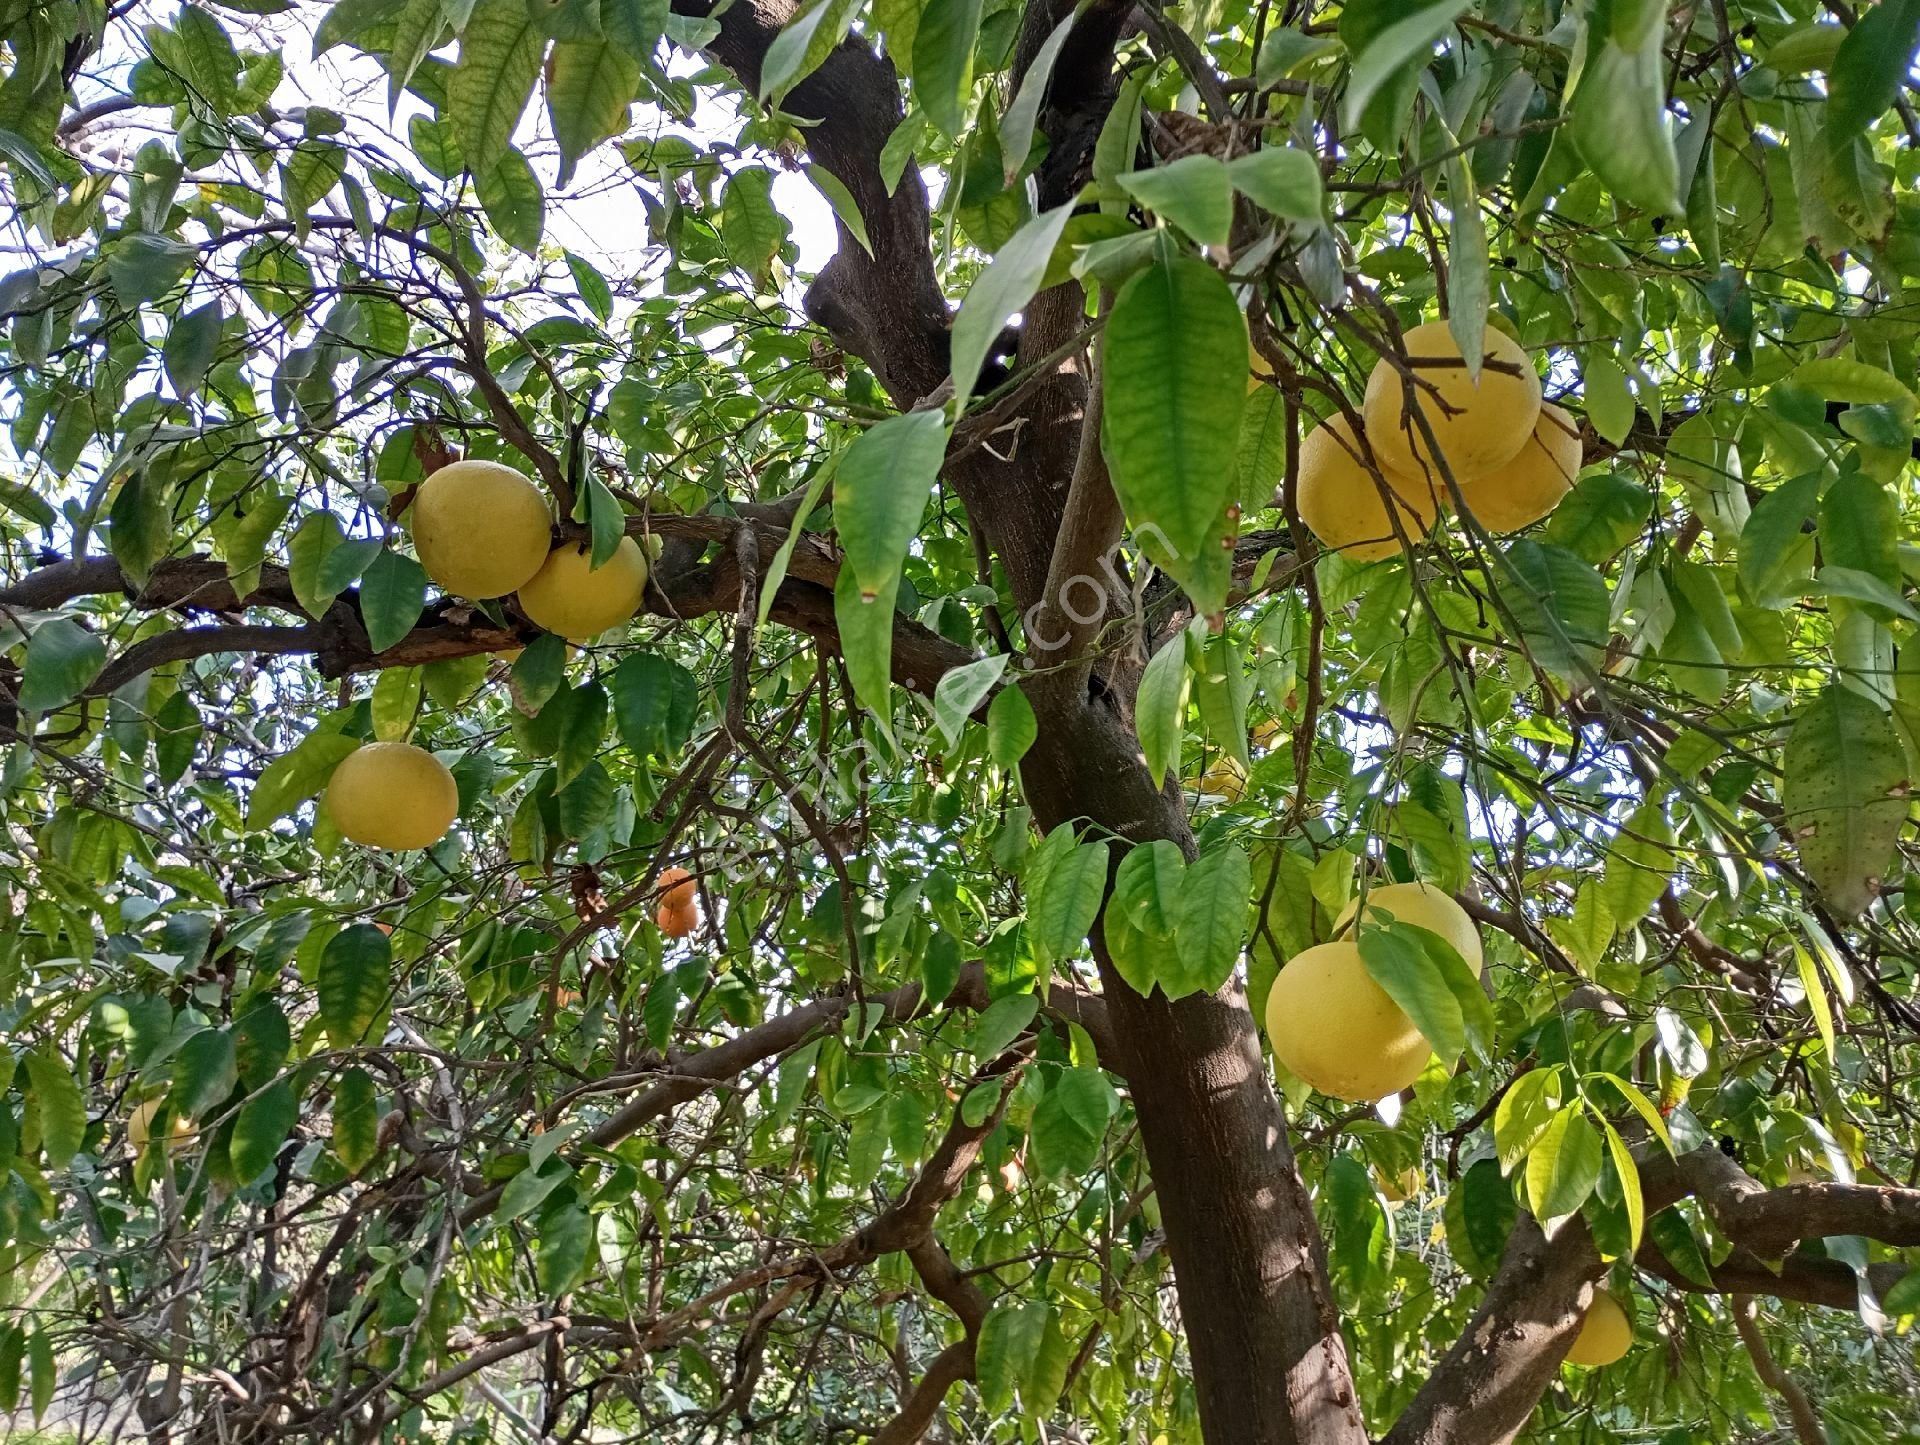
column 1034, row 506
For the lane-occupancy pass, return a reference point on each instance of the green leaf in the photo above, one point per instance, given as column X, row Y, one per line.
column 395, row 703
column 1011, row 727
column 562, row 1247
column 1065, row 901
column 393, row 594
column 1523, row 1114
column 1480, row 1213
column 1675, row 1238
column 1210, row 921
column 314, row 541
column 43, row 1372
column 846, row 209
column 1561, row 604
column 1195, row 193
column 356, row 1119
column 752, row 228
column 354, row 978
column 144, row 267
column 192, row 343
column 1618, row 122
column 590, row 90
column 297, row 775
column 1396, row 961
column 540, row 670
column 1391, row 48
column 1023, row 113
column 803, row 46
column 510, row 194
column 1599, row 516
column 1010, row 1337
column 1860, row 528
column 880, row 495
column 942, row 51
column 1007, row 285
column 1070, row 1123
column 1362, row 1238
column 62, row 658
column 1000, row 1023
column 1640, row 865
column 1643, row 1106
column 1816, row 991
column 529, row 1189
column 1839, row 378
column 961, row 690
column 1174, row 378
column 1628, row 1176
column 1610, row 404
column 261, row 1128
column 500, row 53
column 417, row 30
column 1467, row 266
column 654, row 704
column 1869, row 68
column 262, row 1039
column 1776, row 552
column 1563, row 1168
column 1845, row 795
column 1160, row 710
column 1282, row 181
column 58, row 1102
column 205, row 1071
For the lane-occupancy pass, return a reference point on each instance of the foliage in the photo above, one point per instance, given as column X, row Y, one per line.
column 455, row 1144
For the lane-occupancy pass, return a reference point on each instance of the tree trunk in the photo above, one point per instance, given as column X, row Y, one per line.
column 1269, row 1363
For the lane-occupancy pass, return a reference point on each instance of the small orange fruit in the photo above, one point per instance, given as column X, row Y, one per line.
column 678, row 913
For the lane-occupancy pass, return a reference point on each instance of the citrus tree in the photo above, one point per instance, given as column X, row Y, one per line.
column 1235, row 769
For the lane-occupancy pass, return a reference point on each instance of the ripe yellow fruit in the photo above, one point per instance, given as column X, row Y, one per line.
column 1340, row 500
column 392, row 795
column 1423, row 907
column 1605, row 1334
column 1399, row 1188
column 678, row 913
column 1479, row 426
column 1258, row 371
column 480, row 529
column 571, row 597
column 1332, row 1025
column 1532, row 484
column 180, row 1131
column 1225, row 778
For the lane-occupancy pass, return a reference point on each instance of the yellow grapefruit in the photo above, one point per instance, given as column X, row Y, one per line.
column 1334, row 1027
column 1225, row 778
column 1424, row 907
column 180, row 1131
column 573, row 598
column 1532, row 484
column 1479, row 426
column 392, row 795
column 480, row 529
column 1340, row 500
column 1605, row 1334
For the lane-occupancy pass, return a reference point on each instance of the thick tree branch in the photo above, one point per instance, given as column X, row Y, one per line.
column 1770, row 1221
column 1802, row 1278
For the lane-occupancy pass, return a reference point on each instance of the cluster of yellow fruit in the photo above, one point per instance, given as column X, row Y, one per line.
column 480, row 530
column 1340, row 1032
column 1512, row 455
column 1337, row 1029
